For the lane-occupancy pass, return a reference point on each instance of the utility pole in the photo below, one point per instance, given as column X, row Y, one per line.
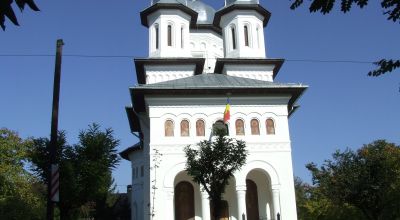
column 53, row 174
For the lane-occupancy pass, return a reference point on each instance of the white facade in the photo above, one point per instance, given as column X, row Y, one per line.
column 243, row 34
column 170, row 96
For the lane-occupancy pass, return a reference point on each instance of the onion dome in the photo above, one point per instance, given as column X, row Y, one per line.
column 230, row 2
column 205, row 12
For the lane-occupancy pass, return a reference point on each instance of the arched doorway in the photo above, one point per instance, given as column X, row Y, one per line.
column 184, row 201
column 251, row 200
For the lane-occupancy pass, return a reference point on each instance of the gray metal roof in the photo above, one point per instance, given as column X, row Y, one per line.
column 168, row 1
column 216, row 81
column 205, row 12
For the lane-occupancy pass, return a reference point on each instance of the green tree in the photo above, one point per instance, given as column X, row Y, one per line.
column 85, row 171
column 391, row 9
column 6, row 10
column 313, row 205
column 212, row 163
column 368, row 179
column 20, row 193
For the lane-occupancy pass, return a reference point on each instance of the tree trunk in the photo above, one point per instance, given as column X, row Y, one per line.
column 215, row 209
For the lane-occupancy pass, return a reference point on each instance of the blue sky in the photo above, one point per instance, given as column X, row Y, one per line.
column 342, row 108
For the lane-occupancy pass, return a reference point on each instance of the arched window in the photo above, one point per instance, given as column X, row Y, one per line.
column 239, row 124
column 184, row 128
column 169, row 128
column 169, row 33
column 200, row 128
column 246, row 36
column 220, row 126
column 182, row 37
column 270, row 126
column 233, row 33
column 255, row 127
column 157, row 38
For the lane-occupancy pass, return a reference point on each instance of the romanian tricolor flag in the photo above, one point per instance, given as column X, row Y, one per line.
column 227, row 112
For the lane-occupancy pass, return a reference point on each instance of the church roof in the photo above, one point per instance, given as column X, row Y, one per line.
column 125, row 153
column 205, row 12
column 215, row 81
column 168, row 4
column 215, row 84
column 239, row 5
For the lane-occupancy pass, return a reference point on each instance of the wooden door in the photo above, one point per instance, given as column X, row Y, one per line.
column 251, row 200
column 184, row 201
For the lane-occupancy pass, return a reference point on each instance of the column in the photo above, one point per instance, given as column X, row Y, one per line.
column 169, row 205
column 241, row 200
column 205, row 206
column 276, row 202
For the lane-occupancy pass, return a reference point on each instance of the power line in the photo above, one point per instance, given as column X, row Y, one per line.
column 130, row 56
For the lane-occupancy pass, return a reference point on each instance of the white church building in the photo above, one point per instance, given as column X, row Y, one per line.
column 198, row 57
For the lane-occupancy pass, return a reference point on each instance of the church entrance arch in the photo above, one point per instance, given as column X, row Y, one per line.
column 184, row 201
column 258, row 195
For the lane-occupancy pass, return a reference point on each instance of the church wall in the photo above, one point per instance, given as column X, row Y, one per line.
column 237, row 20
column 206, row 44
column 177, row 19
column 273, row 150
column 259, row 72
column 160, row 73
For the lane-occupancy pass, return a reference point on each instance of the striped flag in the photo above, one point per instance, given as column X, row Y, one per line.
column 227, row 112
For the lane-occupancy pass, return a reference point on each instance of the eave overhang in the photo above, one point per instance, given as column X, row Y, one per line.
column 148, row 11
column 141, row 63
column 138, row 94
column 211, row 27
column 133, row 119
column 221, row 62
column 258, row 8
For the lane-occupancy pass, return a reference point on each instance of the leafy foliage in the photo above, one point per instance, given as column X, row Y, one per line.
column 20, row 192
column 312, row 204
column 85, row 171
column 6, row 10
column 213, row 163
column 368, row 179
column 391, row 8
column 385, row 66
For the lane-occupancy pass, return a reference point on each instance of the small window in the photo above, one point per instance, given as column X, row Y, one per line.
column 169, row 128
column 136, row 173
column 184, row 128
column 233, row 33
column 182, row 38
column 200, row 128
column 255, row 127
column 157, row 36
column 169, row 35
column 239, row 124
column 246, row 36
column 142, row 171
column 220, row 126
column 270, row 126
column 258, row 36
